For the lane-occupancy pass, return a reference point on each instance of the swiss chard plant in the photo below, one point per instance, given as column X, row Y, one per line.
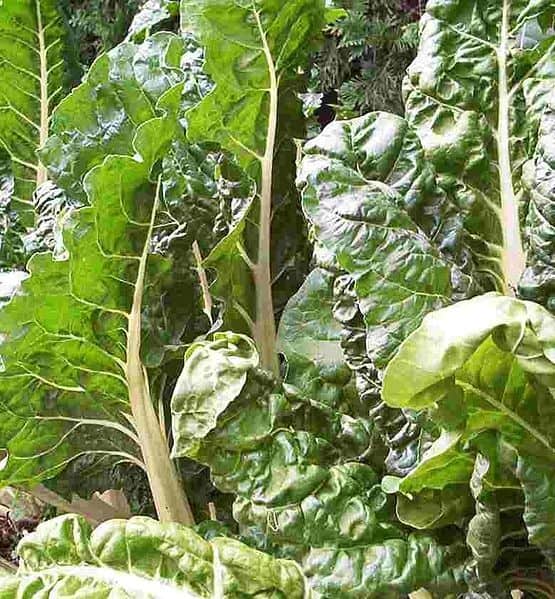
column 352, row 334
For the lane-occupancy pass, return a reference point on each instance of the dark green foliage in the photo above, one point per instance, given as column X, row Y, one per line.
column 98, row 25
column 366, row 55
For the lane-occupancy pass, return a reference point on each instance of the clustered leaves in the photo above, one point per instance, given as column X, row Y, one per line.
column 383, row 420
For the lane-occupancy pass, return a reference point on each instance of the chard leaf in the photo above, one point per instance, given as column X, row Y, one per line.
column 309, row 337
column 299, row 494
column 193, row 413
column 253, row 54
column 475, row 94
column 79, row 337
column 320, row 386
column 374, row 205
column 34, row 73
column 481, row 367
column 251, row 48
column 119, row 93
column 538, row 279
column 143, row 559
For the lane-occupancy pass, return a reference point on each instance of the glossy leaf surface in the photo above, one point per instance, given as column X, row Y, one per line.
column 475, row 95
column 481, row 367
column 327, row 512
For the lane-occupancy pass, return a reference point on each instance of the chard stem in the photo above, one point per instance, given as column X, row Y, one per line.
column 265, row 326
column 167, row 491
column 514, row 258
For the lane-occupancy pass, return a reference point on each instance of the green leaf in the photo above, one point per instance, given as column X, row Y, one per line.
column 484, row 366
column 74, row 335
column 374, row 205
column 537, row 280
column 475, row 94
column 254, row 53
column 198, row 402
column 299, row 494
column 34, row 72
column 144, row 558
column 247, row 45
column 309, row 337
column 102, row 115
column 320, row 385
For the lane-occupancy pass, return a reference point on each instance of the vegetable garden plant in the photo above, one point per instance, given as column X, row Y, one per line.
column 353, row 333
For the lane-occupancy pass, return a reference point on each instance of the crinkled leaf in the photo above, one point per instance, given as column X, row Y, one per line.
column 253, row 51
column 309, row 337
column 142, row 558
column 373, row 203
column 101, row 116
column 247, row 44
column 297, row 493
column 200, row 396
column 539, row 278
column 319, row 383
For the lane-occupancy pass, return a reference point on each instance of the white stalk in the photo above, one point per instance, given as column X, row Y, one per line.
column 265, row 328
column 167, row 491
column 42, row 175
column 513, row 258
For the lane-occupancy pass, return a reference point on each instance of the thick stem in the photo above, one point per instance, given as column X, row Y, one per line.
column 169, row 498
column 514, row 258
column 42, row 175
column 265, row 327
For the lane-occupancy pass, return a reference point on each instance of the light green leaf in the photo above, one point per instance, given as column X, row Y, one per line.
column 144, row 559
column 74, row 335
column 251, row 48
column 202, row 394
column 254, row 54
column 481, row 367
column 101, row 116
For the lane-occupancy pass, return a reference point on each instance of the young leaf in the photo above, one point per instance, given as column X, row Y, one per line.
column 34, row 75
column 475, row 94
column 144, row 558
column 479, row 367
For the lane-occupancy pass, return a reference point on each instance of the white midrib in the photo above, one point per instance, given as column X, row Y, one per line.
column 134, row 585
column 265, row 328
column 513, row 257
column 42, row 175
column 169, row 497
